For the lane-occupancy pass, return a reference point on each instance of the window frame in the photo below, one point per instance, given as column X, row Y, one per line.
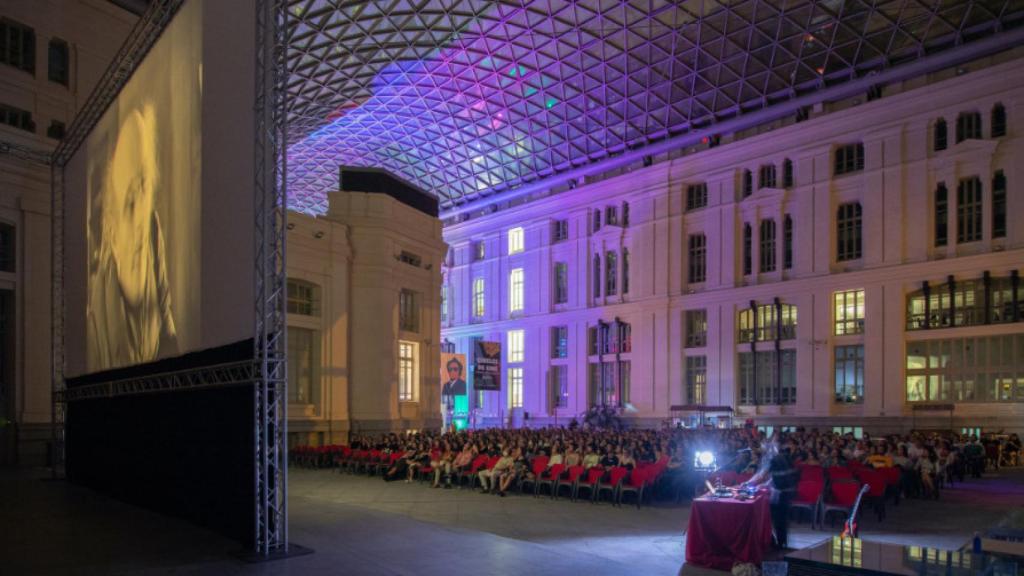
column 516, row 288
column 408, row 371
column 516, row 240
column 849, row 231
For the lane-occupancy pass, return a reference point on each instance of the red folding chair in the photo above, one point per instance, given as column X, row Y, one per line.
column 635, row 484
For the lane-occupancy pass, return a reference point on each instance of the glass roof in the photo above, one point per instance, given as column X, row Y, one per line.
column 468, row 98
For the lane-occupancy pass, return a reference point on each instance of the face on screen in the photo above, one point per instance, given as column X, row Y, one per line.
column 128, row 210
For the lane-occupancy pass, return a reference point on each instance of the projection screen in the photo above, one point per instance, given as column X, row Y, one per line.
column 139, row 174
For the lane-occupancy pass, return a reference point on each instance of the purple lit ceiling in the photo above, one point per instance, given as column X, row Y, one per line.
column 469, row 98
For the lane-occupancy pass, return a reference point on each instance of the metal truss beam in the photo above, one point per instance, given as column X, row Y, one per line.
column 219, row 376
column 271, row 208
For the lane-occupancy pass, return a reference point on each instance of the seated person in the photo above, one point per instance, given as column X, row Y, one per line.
column 488, row 478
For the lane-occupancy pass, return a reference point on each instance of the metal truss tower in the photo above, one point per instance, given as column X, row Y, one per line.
column 266, row 372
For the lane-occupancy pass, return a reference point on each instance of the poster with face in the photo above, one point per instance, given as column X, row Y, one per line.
column 453, row 378
column 143, row 208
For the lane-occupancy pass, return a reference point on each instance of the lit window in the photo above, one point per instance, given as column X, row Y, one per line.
column 515, row 387
column 849, row 308
column 444, row 303
column 848, row 232
column 480, row 250
column 302, row 298
column 515, row 240
column 515, row 290
column 303, row 364
column 516, row 351
column 407, row 371
column 696, row 379
column 766, row 322
column 478, row 297
column 408, row 311
column 849, row 377
column 968, row 210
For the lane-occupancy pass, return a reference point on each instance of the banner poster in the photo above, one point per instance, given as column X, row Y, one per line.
column 453, row 381
column 487, row 366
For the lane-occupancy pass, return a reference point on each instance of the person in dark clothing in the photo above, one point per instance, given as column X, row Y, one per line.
column 784, row 480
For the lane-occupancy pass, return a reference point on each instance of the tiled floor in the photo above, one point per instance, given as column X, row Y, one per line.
column 359, row 525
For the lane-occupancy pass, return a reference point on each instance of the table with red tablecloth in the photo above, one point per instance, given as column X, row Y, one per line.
column 725, row 531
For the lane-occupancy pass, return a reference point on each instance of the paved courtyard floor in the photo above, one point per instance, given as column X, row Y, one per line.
column 359, row 525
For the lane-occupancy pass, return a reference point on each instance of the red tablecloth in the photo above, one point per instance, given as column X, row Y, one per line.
column 723, row 532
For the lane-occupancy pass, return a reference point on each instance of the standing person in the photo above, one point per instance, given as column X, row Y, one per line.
column 783, row 477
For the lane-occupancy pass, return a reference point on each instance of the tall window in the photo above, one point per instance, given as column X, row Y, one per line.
column 408, row 311
column 561, row 282
column 697, row 196
column 787, row 242
column 968, row 210
column 849, row 378
column 611, row 267
column 515, row 290
column 698, row 255
column 559, row 386
column 849, row 158
column 766, row 176
column 748, row 183
column 597, row 219
column 696, row 328
column 611, row 215
column 609, row 386
column 625, row 214
column 787, row 173
column 999, row 205
column 17, row 45
column 407, row 371
column 940, row 136
column 515, row 240
column 560, row 230
column 625, row 270
column 444, row 303
column 696, row 379
column 303, row 298
column 998, row 121
column 748, row 258
column 848, row 232
column 559, row 341
column 968, row 126
column 58, row 61
column 597, row 276
column 516, row 346
column 849, row 312
column 303, row 363
column 941, row 215
column 8, row 253
column 767, row 246
column 610, row 338
column 767, row 377
column 478, row 297
column 515, row 387
column 480, row 250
